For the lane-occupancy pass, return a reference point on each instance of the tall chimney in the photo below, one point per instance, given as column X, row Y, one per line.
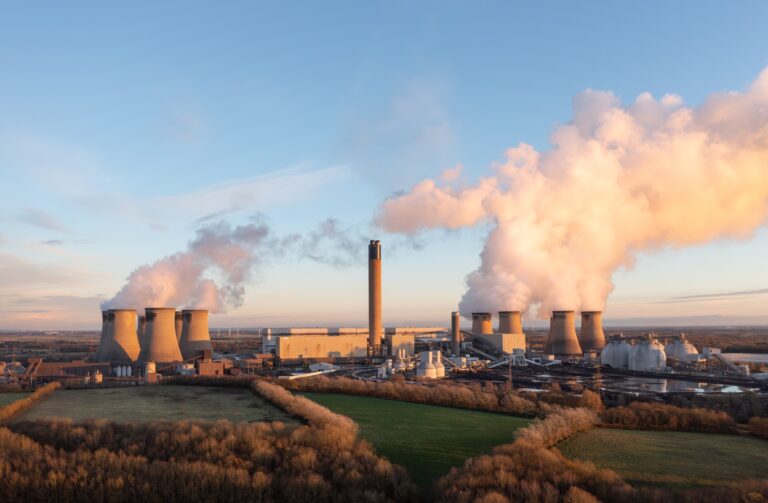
column 481, row 323
column 562, row 340
column 103, row 337
column 195, row 337
column 179, row 324
column 455, row 333
column 122, row 343
column 510, row 322
column 160, row 336
column 591, row 336
column 375, row 329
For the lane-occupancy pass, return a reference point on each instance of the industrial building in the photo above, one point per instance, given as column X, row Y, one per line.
column 321, row 347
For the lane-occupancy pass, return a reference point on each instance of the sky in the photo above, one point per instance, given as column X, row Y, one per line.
column 126, row 128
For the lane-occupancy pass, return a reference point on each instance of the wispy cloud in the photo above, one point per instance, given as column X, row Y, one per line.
column 53, row 242
column 39, row 218
column 712, row 296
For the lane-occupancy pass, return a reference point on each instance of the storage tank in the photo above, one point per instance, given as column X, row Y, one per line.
column 562, row 339
column 510, row 322
column 591, row 336
column 426, row 367
column 439, row 366
column 647, row 355
column 160, row 336
column 122, row 343
column 195, row 337
column 481, row 324
column 681, row 350
column 615, row 354
column 179, row 324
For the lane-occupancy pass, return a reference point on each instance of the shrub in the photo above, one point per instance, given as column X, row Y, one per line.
column 656, row 416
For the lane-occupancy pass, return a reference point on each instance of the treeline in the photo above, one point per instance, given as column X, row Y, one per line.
column 487, row 397
column 759, row 426
column 529, row 470
column 20, row 405
column 657, row 416
column 322, row 461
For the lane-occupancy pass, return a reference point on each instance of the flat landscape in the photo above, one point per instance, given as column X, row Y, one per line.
column 6, row 398
column 157, row 403
column 427, row 440
column 671, row 459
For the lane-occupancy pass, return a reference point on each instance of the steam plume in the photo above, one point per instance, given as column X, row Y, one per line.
column 618, row 180
column 210, row 274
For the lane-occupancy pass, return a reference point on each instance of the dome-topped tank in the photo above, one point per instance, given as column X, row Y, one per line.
column 681, row 350
column 426, row 368
column 615, row 354
column 647, row 355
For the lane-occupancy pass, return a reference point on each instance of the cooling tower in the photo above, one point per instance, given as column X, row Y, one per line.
column 455, row 333
column 122, row 343
column 141, row 330
column 375, row 330
column 103, row 337
column 562, row 340
column 481, row 323
column 179, row 324
column 591, row 336
column 160, row 343
column 195, row 337
column 510, row 322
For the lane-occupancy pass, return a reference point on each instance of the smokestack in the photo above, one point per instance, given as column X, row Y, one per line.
column 160, row 343
column 481, row 323
column 591, row 336
column 374, row 297
column 455, row 333
column 121, row 343
column 510, row 322
column 103, row 337
column 562, row 340
column 195, row 337
column 178, row 326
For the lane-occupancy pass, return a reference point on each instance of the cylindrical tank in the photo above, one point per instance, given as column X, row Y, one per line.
column 510, row 322
column 150, row 368
column 591, row 336
column 195, row 337
column 562, row 339
column 160, row 336
column 375, row 329
column 179, row 324
column 455, row 333
column 681, row 350
column 647, row 355
column 615, row 354
column 122, row 343
column 426, row 367
column 481, row 323
column 439, row 366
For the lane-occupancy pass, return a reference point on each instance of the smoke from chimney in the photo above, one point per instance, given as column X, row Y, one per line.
column 618, row 180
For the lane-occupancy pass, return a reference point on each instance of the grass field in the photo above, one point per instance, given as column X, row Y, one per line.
column 154, row 403
column 427, row 440
column 6, row 398
column 671, row 459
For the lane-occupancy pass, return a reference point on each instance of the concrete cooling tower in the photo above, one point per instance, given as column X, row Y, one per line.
column 195, row 337
column 122, row 343
column 562, row 340
column 375, row 329
column 481, row 324
column 141, row 329
column 591, row 336
column 179, row 324
column 455, row 333
column 510, row 322
column 160, row 343
column 103, row 337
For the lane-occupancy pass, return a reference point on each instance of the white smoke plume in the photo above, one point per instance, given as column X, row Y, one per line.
column 617, row 180
column 210, row 274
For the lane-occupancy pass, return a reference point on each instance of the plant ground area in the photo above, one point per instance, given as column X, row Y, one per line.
column 425, row 439
column 157, row 403
column 6, row 398
column 671, row 459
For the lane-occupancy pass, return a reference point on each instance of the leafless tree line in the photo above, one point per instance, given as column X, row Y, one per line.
column 22, row 404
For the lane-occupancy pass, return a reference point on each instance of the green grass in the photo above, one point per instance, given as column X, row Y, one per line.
column 154, row 403
column 427, row 440
column 6, row 398
column 671, row 459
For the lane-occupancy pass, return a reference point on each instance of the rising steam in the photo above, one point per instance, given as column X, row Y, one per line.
column 209, row 274
column 617, row 180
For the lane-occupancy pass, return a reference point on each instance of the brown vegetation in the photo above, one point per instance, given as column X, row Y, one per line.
column 14, row 408
column 759, row 426
column 656, row 416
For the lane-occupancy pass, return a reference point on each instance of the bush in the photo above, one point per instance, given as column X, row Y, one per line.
column 656, row 416
column 759, row 426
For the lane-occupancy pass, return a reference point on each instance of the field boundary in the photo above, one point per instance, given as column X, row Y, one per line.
column 23, row 404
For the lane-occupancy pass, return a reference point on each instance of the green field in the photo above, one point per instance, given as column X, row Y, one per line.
column 671, row 459
column 427, row 440
column 6, row 398
column 154, row 403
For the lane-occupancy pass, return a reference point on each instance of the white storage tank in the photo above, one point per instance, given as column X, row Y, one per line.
column 439, row 366
column 426, row 367
column 615, row 354
column 647, row 355
column 681, row 350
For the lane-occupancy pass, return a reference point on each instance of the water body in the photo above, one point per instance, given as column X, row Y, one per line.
column 645, row 384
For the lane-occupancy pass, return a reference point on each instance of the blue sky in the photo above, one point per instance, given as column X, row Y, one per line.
column 123, row 125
